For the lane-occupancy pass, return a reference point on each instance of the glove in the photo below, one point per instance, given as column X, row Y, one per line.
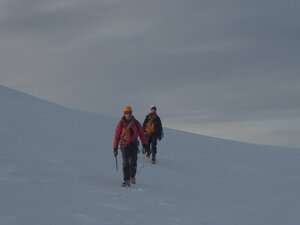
column 161, row 136
column 115, row 152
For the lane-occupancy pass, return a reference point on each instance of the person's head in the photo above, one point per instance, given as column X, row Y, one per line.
column 127, row 110
column 153, row 109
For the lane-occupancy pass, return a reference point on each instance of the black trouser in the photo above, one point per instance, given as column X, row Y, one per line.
column 129, row 155
column 151, row 144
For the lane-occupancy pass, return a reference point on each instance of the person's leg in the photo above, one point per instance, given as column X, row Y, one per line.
column 154, row 144
column 126, row 165
column 133, row 160
column 149, row 141
column 146, row 148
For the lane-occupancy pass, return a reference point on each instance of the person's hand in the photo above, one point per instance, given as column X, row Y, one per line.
column 160, row 136
column 115, row 152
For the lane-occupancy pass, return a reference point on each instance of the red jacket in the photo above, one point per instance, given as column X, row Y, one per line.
column 128, row 137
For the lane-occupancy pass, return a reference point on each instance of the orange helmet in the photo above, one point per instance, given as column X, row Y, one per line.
column 127, row 109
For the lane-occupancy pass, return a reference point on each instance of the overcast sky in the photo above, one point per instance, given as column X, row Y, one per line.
column 226, row 68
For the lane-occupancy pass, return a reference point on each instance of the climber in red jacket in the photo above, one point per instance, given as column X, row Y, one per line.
column 126, row 134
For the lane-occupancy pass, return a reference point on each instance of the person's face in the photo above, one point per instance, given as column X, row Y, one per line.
column 128, row 115
column 153, row 110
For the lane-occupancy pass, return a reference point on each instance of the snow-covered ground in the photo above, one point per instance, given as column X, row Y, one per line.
column 57, row 168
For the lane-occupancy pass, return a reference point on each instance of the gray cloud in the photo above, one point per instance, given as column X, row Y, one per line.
column 202, row 62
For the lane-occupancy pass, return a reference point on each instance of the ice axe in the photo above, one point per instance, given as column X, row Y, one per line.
column 117, row 163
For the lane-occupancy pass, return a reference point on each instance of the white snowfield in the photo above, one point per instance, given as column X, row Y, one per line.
column 57, row 168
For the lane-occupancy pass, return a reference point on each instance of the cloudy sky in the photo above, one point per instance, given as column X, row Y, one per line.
column 226, row 68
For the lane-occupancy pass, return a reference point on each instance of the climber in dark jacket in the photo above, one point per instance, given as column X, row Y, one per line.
column 154, row 131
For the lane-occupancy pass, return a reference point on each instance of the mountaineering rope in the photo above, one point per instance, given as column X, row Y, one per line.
column 138, row 170
column 143, row 163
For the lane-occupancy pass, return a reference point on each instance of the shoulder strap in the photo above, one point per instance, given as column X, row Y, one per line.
column 135, row 122
column 129, row 125
column 152, row 119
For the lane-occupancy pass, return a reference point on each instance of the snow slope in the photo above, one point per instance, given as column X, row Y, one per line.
column 56, row 168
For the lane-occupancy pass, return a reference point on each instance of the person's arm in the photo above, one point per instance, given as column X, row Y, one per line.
column 159, row 129
column 141, row 133
column 159, row 126
column 145, row 122
column 117, row 136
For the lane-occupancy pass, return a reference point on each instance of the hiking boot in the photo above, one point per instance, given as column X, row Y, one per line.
column 133, row 180
column 153, row 159
column 126, row 183
column 148, row 154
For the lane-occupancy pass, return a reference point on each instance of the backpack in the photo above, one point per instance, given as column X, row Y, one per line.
column 150, row 126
